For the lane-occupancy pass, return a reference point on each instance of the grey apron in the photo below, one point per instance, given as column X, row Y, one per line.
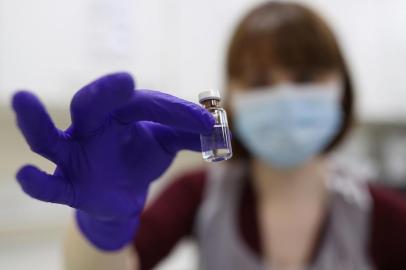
column 344, row 246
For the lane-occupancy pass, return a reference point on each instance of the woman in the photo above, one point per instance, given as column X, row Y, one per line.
column 277, row 204
column 282, row 62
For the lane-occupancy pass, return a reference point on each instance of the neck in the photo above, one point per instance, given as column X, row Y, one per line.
column 291, row 207
column 307, row 182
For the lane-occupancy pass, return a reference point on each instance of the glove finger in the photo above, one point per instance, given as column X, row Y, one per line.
column 45, row 187
column 174, row 140
column 92, row 104
column 148, row 105
column 38, row 129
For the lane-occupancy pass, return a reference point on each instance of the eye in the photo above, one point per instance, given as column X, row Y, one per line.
column 304, row 77
column 258, row 81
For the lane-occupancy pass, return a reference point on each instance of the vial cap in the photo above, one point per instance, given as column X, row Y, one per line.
column 209, row 94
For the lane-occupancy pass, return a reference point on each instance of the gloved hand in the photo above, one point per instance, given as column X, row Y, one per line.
column 119, row 141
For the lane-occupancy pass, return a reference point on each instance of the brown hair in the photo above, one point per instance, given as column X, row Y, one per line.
column 294, row 38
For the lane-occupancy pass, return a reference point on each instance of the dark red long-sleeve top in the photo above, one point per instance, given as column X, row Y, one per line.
column 172, row 216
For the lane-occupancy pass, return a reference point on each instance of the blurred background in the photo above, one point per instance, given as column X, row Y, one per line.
column 55, row 47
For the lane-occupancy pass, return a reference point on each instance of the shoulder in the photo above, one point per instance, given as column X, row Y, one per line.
column 387, row 197
column 190, row 183
column 182, row 194
column 388, row 204
column 388, row 234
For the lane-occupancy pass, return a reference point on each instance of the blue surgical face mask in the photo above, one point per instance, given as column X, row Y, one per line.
column 288, row 124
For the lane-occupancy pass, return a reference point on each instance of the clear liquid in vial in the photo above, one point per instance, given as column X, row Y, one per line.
column 217, row 146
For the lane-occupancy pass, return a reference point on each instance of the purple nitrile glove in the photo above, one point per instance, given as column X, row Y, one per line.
column 119, row 141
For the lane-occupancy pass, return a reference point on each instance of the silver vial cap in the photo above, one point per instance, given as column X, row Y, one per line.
column 209, row 94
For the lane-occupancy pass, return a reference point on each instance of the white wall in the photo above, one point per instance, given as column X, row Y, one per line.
column 177, row 46
column 54, row 47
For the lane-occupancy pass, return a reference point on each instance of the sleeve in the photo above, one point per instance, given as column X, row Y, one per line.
column 169, row 218
column 388, row 234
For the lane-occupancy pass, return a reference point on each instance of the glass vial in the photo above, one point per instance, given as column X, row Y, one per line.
column 217, row 145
